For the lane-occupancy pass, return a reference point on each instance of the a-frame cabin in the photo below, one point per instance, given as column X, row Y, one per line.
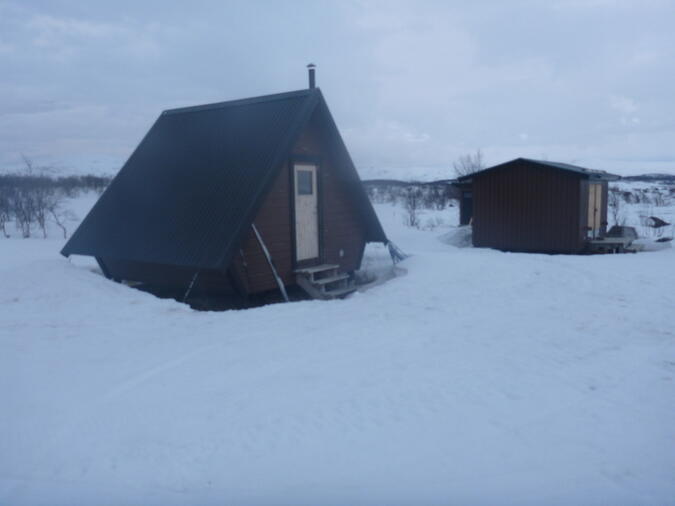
column 214, row 192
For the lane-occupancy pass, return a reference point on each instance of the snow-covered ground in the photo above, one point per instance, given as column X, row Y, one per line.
column 477, row 377
column 424, row 174
column 640, row 200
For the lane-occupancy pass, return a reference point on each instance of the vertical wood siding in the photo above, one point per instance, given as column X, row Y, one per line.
column 526, row 208
column 341, row 226
column 273, row 221
column 343, row 230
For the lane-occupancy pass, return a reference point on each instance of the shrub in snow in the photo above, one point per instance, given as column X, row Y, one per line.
column 33, row 198
column 412, row 205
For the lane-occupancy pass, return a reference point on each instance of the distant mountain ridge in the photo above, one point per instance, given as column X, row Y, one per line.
column 436, row 177
column 651, row 178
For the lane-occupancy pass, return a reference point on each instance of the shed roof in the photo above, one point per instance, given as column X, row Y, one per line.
column 595, row 174
column 195, row 182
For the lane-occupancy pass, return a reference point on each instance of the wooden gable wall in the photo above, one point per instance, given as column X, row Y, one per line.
column 342, row 232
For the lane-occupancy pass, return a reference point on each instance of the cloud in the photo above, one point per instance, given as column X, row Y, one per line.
column 27, row 107
column 63, row 38
column 627, row 108
column 622, row 104
column 409, row 83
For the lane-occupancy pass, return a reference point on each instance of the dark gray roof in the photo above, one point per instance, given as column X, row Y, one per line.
column 582, row 171
column 195, row 182
column 592, row 173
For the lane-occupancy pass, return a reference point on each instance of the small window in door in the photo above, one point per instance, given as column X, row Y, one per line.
column 305, row 182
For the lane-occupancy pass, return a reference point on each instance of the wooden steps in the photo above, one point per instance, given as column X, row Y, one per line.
column 331, row 279
column 318, row 269
column 324, row 282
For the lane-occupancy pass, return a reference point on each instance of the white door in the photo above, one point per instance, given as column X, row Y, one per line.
column 594, row 208
column 306, row 212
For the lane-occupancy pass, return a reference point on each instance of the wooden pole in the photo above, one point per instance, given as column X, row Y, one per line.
column 280, row 282
column 192, row 283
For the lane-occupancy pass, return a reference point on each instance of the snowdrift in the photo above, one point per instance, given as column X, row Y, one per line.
column 478, row 378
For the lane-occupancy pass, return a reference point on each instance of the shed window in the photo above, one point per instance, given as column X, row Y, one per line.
column 305, row 182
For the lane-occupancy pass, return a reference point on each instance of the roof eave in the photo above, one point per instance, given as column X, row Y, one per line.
column 377, row 231
column 274, row 166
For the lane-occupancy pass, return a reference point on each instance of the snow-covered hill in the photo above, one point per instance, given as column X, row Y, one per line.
column 423, row 174
column 477, row 377
column 436, row 173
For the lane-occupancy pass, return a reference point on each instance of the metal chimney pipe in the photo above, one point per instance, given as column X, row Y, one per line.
column 312, row 78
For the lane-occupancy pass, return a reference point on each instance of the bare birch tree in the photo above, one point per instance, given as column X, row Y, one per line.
column 469, row 163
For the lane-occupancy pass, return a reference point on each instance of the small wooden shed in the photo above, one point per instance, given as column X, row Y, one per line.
column 535, row 206
column 234, row 197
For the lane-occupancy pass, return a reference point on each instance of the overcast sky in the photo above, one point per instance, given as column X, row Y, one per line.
column 410, row 84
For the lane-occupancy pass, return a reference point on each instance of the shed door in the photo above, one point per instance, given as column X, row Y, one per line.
column 594, row 208
column 306, row 212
